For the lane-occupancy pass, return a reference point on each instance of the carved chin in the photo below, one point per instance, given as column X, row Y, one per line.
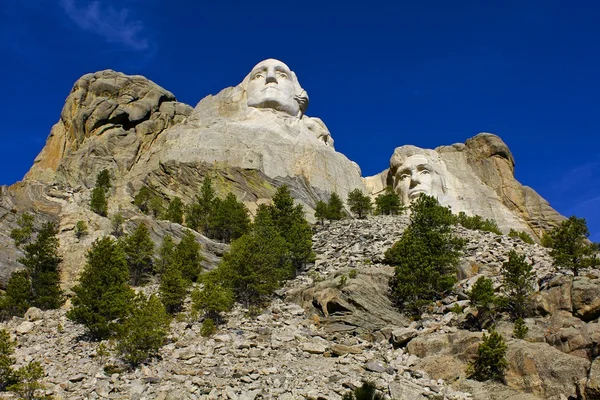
column 276, row 104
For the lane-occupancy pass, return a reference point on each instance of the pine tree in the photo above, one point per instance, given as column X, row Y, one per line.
column 229, row 219
column 142, row 199
column 321, row 211
column 166, row 255
column 139, row 252
column 200, row 212
column 103, row 180
column 187, row 257
column 23, row 233
column 359, row 203
column 42, row 263
column 335, row 207
column 425, row 257
column 117, row 222
column 103, row 295
column 81, row 229
column 174, row 212
column 173, row 289
column 484, row 300
column 18, row 296
column 213, row 299
column 7, row 373
column 144, row 330
column 518, row 284
column 570, row 247
column 388, row 203
column 491, row 359
column 28, row 381
column 98, row 202
column 155, row 206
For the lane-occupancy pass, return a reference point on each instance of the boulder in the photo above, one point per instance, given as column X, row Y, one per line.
column 556, row 296
column 586, row 302
column 592, row 386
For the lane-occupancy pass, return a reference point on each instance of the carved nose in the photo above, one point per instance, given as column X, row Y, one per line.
column 414, row 179
column 270, row 76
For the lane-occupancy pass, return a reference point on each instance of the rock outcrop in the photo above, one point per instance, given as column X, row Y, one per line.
column 476, row 177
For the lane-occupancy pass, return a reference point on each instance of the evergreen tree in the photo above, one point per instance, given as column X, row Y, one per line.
column 524, row 236
column 335, row 207
column 18, row 296
column 174, row 212
column 229, row 219
column 7, row 373
column 23, row 233
column 476, row 222
column 42, row 261
column 518, row 284
column 484, row 300
column 388, row 203
column 28, row 381
column 321, row 211
column 425, row 256
column 187, row 257
column 144, row 330
column 117, row 222
column 491, row 359
column 155, row 206
column 213, row 299
column 166, row 255
column 142, row 199
column 81, row 229
column 103, row 180
column 200, row 212
column 570, row 247
column 173, row 289
column 98, row 202
column 103, row 296
column 359, row 203
column 139, row 252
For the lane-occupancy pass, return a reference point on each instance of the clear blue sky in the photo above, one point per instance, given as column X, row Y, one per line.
column 380, row 75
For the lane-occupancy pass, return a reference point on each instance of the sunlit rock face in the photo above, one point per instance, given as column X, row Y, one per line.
column 258, row 132
column 476, row 177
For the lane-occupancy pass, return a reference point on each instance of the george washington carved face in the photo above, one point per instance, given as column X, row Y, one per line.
column 271, row 84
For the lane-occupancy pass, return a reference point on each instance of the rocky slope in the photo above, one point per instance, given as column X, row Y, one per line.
column 320, row 337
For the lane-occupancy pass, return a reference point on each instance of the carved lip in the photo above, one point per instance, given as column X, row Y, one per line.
column 416, row 192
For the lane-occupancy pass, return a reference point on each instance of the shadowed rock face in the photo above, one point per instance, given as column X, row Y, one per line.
column 476, row 177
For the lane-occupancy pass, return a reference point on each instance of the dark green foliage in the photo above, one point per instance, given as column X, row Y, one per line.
column 335, row 207
column 103, row 295
column 28, row 381
column 546, row 240
column 208, row 327
column 18, row 297
column 187, row 257
column 174, row 212
column 139, row 253
column 117, row 222
column 7, row 373
column 199, row 213
column 23, row 233
column 484, row 300
column 359, row 203
column 524, row 236
column 142, row 199
column 321, row 211
column 520, row 330
column 476, row 222
column 425, row 256
column 388, row 203
column 367, row 391
column 213, row 299
column 518, row 284
column 173, row 289
column 229, row 219
column 99, row 202
column 570, row 247
column 81, row 229
column 490, row 363
column 257, row 263
column 144, row 330
column 41, row 261
column 166, row 255
column 156, row 207
column 103, row 180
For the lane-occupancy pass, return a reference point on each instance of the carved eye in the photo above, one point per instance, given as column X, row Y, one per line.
column 404, row 176
column 257, row 76
column 282, row 75
column 426, row 172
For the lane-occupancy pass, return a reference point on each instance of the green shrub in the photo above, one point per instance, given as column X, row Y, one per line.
column 18, row 296
column 359, row 203
column 156, row 207
column 570, row 247
column 81, row 229
column 208, row 327
column 99, row 202
column 388, row 203
column 103, row 180
column 335, row 207
column 352, row 274
column 343, row 281
column 139, row 253
column 103, row 295
column 321, row 211
column 484, row 300
column 174, row 211
column 518, row 284
column 173, row 289
column 520, row 329
column 213, row 299
column 476, row 222
column 23, row 233
column 490, row 363
column 28, row 381
column 142, row 199
column 425, row 257
column 7, row 373
column 117, row 221
column 144, row 330
column 524, row 236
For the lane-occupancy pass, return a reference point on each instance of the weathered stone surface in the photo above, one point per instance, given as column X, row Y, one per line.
column 586, row 298
column 33, row 314
column 555, row 296
column 592, row 386
column 400, row 337
column 476, row 177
